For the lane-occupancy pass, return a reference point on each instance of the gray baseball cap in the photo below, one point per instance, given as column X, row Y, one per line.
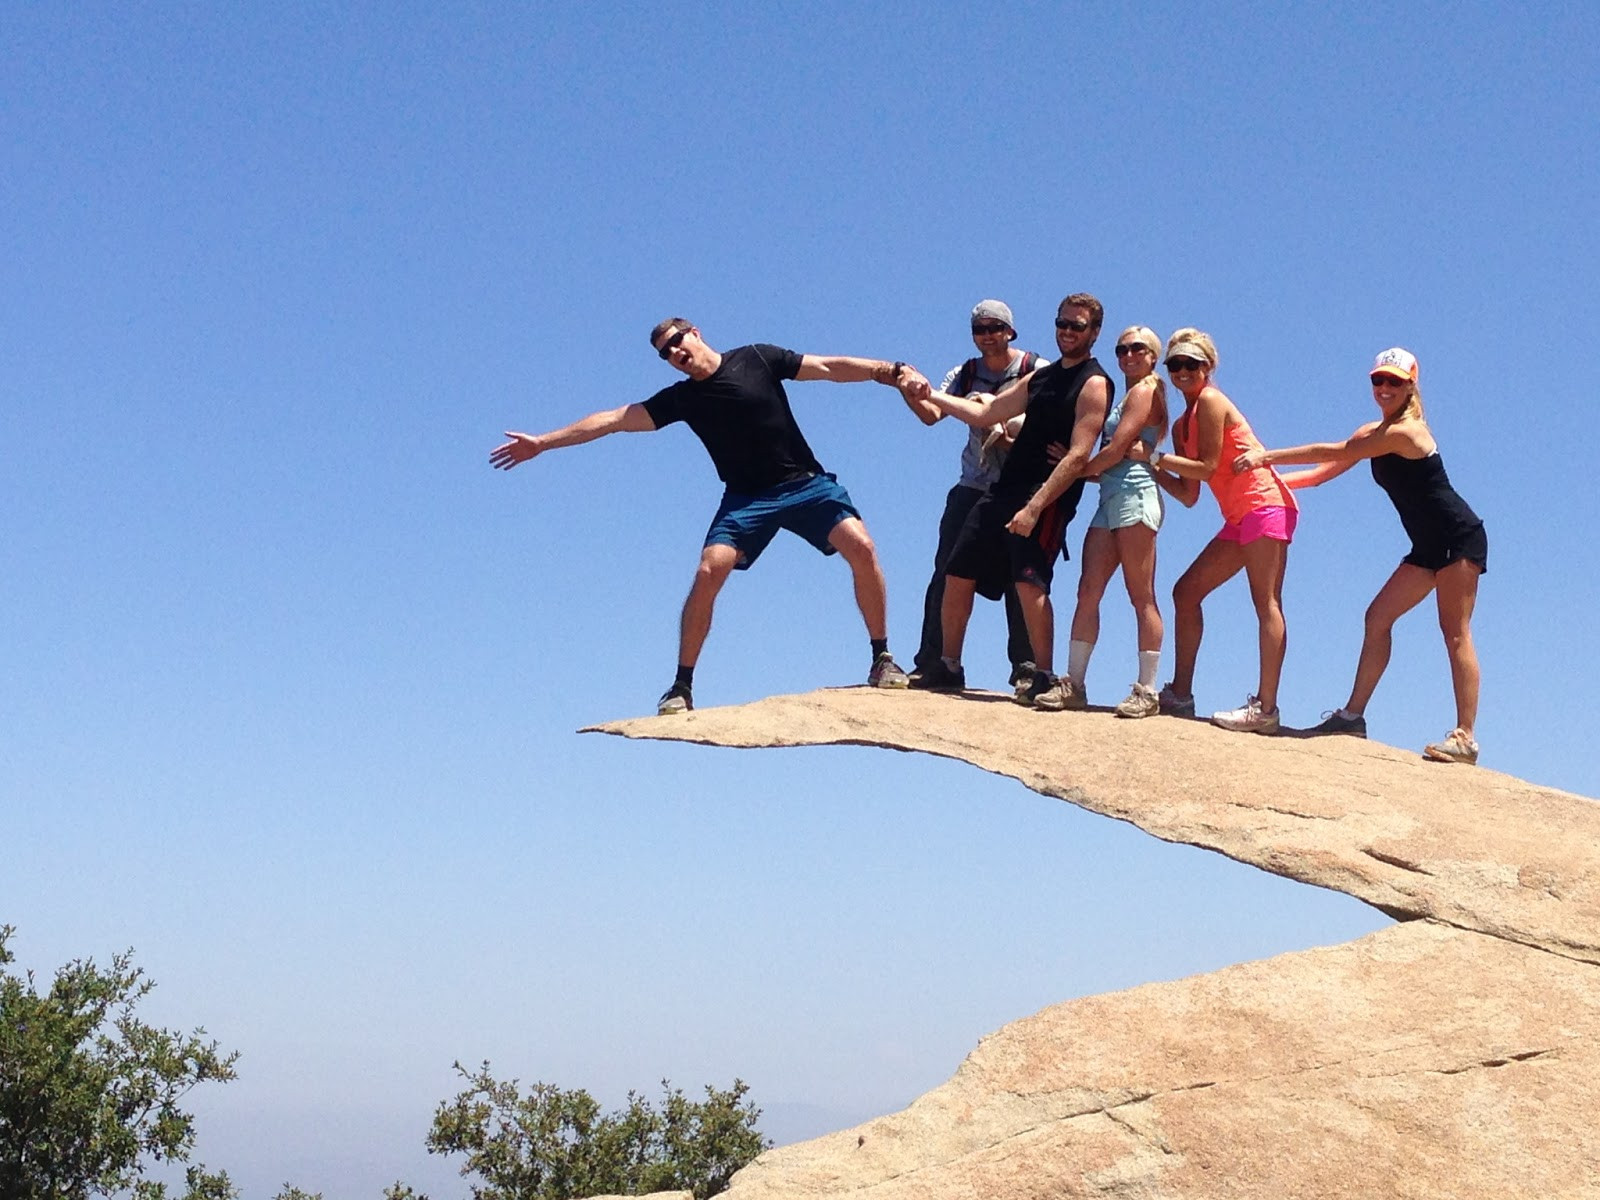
column 994, row 310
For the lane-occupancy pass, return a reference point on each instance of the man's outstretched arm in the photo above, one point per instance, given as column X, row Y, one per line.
column 838, row 368
column 630, row 418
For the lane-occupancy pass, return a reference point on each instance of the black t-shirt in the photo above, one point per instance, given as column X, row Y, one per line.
column 1052, row 412
column 741, row 413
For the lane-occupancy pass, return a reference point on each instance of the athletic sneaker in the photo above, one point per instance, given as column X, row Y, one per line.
column 1062, row 695
column 1335, row 722
column 1141, row 702
column 886, row 673
column 676, row 699
column 1019, row 673
column 1456, row 747
column 1029, row 690
column 1174, row 705
column 1251, row 718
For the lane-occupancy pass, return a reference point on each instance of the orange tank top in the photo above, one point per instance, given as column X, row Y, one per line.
column 1238, row 495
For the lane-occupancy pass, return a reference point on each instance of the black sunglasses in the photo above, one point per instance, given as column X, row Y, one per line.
column 1384, row 379
column 671, row 344
column 1128, row 348
column 1184, row 364
column 1075, row 326
column 997, row 327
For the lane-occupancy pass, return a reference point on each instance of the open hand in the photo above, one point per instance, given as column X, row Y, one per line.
column 520, row 448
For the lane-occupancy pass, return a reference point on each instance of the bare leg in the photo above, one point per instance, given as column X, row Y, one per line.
column 1041, row 619
column 1099, row 565
column 1264, row 563
column 850, row 539
column 1136, row 549
column 1219, row 562
column 956, row 612
column 715, row 563
column 1403, row 591
column 1457, row 595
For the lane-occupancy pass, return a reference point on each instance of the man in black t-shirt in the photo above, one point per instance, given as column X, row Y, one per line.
column 1020, row 526
column 736, row 406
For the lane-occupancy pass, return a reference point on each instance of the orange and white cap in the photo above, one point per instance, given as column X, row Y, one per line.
column 1402, row 364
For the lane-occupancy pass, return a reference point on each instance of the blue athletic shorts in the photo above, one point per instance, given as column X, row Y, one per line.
column 809, row 507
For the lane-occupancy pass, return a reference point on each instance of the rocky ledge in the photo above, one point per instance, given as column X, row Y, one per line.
column 1454, row 1055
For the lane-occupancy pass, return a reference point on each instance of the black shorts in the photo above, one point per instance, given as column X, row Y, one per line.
column 990, row 555
column 1471, row 544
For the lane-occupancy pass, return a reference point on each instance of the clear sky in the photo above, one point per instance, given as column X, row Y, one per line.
column 291, row 678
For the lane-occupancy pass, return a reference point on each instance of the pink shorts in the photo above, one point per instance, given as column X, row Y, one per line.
column 1275, row 522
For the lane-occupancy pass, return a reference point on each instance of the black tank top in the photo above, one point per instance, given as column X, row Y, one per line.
column 1430, row 509
column 1052, row 412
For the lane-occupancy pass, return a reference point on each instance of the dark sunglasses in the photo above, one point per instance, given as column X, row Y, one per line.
column 1128, row 348
column 997, row 327
column 1075, row 326
column 1384, row 379
column 671, row 344
column 1184, row 364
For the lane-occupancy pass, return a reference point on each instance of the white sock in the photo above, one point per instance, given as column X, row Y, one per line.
column 1078, row 661
column 953, row 663
column 1149, row 665
column 1348, row 715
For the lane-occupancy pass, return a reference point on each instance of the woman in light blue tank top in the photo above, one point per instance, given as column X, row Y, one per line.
column 1123, row 531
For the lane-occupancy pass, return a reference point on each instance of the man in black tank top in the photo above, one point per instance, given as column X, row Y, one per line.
column 1020, row 526
column 735, row 404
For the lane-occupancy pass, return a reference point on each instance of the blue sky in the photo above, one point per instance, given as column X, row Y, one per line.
column 292, row 678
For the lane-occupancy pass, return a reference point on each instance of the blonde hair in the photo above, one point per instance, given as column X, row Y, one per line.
column 1413, row 405
column 1199, row 339
column 1145, row 336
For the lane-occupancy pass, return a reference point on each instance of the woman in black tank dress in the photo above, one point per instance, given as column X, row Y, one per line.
column 1449, row 549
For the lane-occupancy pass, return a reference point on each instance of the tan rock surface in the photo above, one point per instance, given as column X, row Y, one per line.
column 1455, row 1056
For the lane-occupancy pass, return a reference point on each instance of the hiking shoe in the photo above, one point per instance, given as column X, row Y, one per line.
column 1141, row 702
column 886, row 673
column 1456, row 747
column 676, row 699
column 939, row 678
column 1020, row 672
column 1334, row 722
column 1173, row 705
column 1062, row 695
column 1251, row 718
column 1036, row 685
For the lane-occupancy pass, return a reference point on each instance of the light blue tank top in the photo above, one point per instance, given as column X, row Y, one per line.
column 1127, row 474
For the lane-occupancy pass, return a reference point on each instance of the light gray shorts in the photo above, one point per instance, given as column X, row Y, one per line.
column 1124, row 506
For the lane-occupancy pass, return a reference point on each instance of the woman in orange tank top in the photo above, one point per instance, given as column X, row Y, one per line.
column 1258, row 513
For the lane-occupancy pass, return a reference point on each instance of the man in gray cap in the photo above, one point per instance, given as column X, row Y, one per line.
column 996, row 364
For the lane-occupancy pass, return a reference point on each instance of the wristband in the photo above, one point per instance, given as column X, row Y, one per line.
column 1155, row 460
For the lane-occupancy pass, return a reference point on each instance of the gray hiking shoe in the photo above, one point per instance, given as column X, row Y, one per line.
column 1173, row 705
column 676, row 699
column 1456, row 747
column 1061, row 696
column 1032, row 688
column 1141, row 702
column 1020, row 673
column 886, row 673
column 1334, row 722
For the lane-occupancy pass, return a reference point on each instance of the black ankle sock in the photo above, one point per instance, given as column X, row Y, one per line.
column 879, row 646
column 685, row 676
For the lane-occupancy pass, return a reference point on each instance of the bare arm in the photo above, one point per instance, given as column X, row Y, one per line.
column 1320, row 473
column 1093, row 401
column 985, row 410
column 1135, row 416
column 1212, row 414
column 1409, row 439
column 630, row 418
